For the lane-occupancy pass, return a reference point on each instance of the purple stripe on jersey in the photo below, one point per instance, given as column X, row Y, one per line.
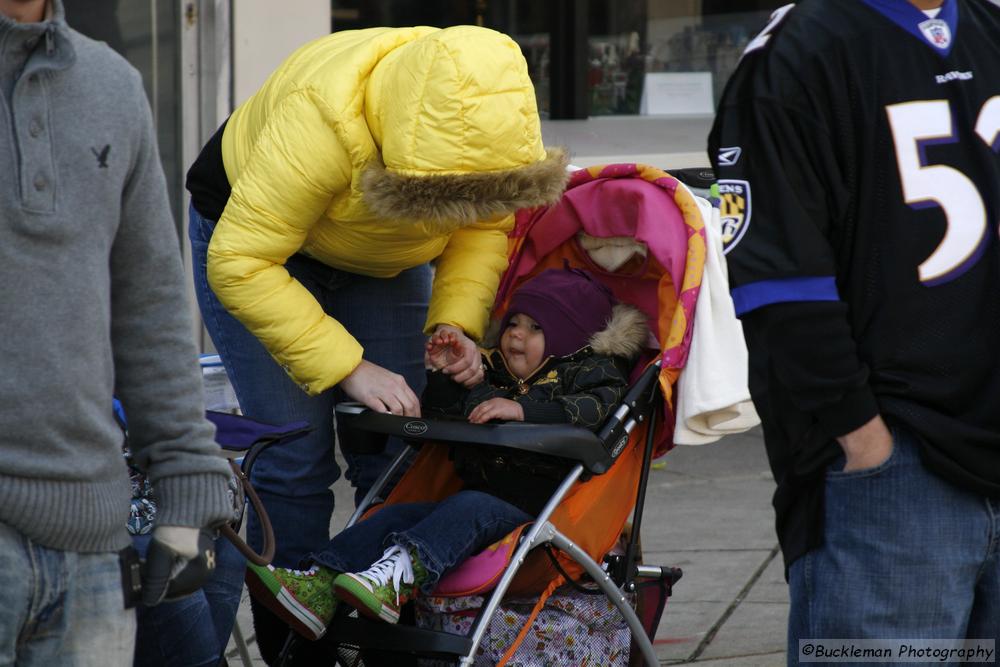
column 764, row 293
column 909, row 18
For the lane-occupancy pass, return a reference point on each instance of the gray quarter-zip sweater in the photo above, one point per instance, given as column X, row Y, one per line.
column 92, row 302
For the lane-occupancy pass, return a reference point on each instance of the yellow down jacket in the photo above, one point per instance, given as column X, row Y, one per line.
column 374, row 151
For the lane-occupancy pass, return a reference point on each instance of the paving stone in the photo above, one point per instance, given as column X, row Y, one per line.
column 771, row 587
column 753, row 628
column 683, row 626
column 766, row 660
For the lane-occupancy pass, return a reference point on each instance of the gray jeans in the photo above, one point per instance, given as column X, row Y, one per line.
column 61, row 607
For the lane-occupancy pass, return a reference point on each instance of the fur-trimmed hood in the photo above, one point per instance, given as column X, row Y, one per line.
column 626, row 334
column 464, row 197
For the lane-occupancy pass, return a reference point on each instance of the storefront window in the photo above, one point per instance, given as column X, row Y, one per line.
column 643, row 56
column 688, row 47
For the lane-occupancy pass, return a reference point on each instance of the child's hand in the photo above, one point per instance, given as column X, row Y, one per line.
column 442, row 349
column 497, row 408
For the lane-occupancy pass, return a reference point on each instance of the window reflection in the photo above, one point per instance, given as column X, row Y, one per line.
column 626, row 40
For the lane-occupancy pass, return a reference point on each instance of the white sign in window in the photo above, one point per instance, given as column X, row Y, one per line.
column 677, row 93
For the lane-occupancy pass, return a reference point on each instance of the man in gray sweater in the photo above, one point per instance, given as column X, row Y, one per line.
column 92, row 304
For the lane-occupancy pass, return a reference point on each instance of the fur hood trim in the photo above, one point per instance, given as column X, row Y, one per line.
column 626, row 334
column 467, row 197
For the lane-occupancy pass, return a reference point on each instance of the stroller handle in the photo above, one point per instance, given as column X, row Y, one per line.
column 267, row 553
column 568, row 442
column 242, row 436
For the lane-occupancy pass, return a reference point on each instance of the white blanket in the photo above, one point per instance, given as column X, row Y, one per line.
column 712, row 395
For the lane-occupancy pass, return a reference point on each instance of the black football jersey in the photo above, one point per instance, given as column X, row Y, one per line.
column 857, row 148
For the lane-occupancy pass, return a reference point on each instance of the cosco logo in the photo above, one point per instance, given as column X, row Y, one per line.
column 415, row 428
column 619, row 446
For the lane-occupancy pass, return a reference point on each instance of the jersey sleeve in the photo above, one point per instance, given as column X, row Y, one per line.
column 779, row 188
column 783, row 196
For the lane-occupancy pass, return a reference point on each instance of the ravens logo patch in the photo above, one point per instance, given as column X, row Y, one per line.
column 734, row 207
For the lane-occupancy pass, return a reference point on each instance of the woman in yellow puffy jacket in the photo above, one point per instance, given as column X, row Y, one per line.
column 316, row 210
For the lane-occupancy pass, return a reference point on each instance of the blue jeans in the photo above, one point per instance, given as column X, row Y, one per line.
column 61, row 607
column 193, row 631
column 443, row 534
column 907, row 555
column 293, row 481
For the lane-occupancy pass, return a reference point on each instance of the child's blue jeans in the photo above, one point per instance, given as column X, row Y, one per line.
column 443, row 534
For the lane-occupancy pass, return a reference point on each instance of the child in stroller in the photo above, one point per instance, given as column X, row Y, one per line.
column 563, row 357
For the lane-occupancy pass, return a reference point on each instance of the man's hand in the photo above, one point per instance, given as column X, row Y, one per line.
column 381, row 390
column 868, row 446
column 174, row 566
column 497, row 408
column 467, row 368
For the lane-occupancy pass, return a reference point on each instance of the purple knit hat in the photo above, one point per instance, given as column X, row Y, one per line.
column 568, row 304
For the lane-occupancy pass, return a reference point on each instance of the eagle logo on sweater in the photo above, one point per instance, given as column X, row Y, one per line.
column 102, row 156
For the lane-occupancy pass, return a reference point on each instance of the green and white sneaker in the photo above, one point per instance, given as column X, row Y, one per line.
column 382, row 589
column 301, row 598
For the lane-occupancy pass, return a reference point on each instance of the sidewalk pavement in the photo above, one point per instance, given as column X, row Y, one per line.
column 708, row 511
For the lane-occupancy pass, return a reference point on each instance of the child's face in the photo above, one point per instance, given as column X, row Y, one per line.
column 522, row 345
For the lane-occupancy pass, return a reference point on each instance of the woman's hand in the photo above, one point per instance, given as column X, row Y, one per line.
column 381, row 390
column 497, row 408
column 466, row 366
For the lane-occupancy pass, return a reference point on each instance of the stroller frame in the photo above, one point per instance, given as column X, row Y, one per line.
column 594, row 455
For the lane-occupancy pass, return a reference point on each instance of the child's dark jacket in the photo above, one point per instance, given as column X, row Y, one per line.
column 581, row 389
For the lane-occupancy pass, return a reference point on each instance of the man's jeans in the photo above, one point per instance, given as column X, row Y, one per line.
column 443, row 534
column 385, row 315
column 907, row 555
column 61, row 607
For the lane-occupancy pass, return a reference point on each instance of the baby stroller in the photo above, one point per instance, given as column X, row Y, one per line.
column 647, row 232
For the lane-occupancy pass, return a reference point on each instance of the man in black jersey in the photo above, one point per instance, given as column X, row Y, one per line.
column 858, row 151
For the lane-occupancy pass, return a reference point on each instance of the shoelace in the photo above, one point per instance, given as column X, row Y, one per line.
column 395, row 564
